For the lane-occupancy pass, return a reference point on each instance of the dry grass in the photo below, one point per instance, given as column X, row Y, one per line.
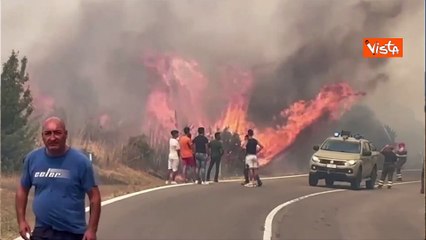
column 113, row 182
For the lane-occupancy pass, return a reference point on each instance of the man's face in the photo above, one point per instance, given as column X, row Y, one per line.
column 54, row 136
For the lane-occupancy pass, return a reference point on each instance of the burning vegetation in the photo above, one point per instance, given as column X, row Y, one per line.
column 178, row 98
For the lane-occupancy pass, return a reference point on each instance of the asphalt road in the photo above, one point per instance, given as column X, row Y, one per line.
column 348, row 215
column 231, row 211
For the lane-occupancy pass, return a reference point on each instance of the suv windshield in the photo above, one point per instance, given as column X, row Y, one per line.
column 341, row 146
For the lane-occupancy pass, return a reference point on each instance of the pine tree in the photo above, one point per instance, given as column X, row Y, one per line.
column 17, row 134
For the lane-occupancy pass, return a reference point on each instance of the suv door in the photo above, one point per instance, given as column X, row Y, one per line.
column 366, row 160
column 375, row 155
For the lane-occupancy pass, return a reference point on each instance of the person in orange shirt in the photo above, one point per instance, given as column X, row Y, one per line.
column 186, row 153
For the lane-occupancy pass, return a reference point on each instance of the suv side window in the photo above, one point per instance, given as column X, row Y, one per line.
column 365, row 147
column 372, row 147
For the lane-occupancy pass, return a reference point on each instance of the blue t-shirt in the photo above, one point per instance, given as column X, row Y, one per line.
column 60, row 186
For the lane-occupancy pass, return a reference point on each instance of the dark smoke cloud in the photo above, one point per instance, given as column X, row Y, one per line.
column 90, row 59
column 331, row 52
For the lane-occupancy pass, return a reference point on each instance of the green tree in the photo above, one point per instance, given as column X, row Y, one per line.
column 17, row 135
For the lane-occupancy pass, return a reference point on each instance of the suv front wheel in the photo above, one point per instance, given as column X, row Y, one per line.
column 373, row 176
column 313, row 179
column 356, row 182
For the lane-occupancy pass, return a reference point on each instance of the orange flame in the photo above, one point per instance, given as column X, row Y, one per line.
column 332, row 99
column 159, row 112
column 183, row 86
column 180, row 96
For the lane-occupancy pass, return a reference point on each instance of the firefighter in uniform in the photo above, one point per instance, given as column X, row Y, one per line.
column 401, row 153
column 388, row 166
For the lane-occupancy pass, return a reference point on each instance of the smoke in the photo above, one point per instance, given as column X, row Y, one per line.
column 87, row 55
column 330, row 51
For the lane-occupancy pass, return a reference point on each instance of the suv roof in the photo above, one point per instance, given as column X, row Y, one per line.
column 348, row 139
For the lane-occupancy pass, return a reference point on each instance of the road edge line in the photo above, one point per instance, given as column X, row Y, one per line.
column 129, row 195
column 267, row 233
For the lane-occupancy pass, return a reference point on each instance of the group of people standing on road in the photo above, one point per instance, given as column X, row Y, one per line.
column 194, row 154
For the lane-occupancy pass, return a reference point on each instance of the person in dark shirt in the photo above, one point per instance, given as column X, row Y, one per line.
column 388, row 165
column 252, row 147
column 247, row 169
column 216, row 153
column 200, row 145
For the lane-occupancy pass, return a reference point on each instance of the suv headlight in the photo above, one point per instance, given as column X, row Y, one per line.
column 351, row 162
column 315, row 159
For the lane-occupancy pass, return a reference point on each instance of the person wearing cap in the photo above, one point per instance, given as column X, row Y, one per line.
column 401, row 153
column 388, row 166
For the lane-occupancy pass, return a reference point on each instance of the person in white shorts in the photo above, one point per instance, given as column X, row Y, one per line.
column 253, row 147
column 174, row 156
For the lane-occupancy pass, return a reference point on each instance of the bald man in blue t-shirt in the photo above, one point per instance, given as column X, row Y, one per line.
column 62, row 176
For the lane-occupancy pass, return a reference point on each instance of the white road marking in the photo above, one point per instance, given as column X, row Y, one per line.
column 267, row 234
column 408, row 170
column 268, row 178
column 119, row 198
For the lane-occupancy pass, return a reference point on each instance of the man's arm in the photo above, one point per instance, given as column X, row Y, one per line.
column 209, row 149
column 22, row 191
column 21, row 200
column 92, row 190
column 384, row 148
column 206, row 145
column 244, row 144
column 260, row 147
column 95, row 208
column 178, row 148
column 191, row 145
column 221, row 150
